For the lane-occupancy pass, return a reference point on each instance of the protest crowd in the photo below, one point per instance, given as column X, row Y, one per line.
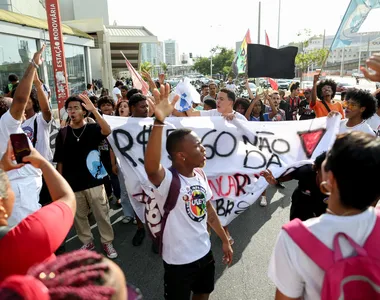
column 333, row 216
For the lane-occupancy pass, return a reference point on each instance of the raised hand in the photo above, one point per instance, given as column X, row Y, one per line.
column 88, row 105
column 161, row 78
column 37, row 57
column 163, row 107
column 7, row 161
column 147, row 76
column 316, row 78
column 373, row 63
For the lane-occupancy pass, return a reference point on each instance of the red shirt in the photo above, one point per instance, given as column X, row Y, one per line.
column 34, row 239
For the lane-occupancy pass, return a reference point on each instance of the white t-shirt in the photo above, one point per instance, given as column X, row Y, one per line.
column 231, row 86
column 185, row 236
column 215, row 113
column 294, row 273
column 374, row 122
column 116, row 91
column 363, row 127
column 43, row 134
column 26, row 182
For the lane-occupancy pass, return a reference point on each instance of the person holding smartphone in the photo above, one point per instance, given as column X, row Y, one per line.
column 38, row 236
column 26, row 182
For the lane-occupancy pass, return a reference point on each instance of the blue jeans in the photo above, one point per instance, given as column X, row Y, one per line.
column 124, row 199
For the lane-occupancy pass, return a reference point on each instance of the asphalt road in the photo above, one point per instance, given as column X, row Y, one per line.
column 254, row 231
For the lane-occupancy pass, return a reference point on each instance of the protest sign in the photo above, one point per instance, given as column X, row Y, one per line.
column 237, row 152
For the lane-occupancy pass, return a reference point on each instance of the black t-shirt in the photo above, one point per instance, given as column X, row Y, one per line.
column 307, row 199
column 286, row 107
column 308, row 113
column 82, row 167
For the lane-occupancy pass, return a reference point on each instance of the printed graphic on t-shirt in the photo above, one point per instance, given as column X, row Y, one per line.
column 29, row 132
column 95, row 166
column 195, row 202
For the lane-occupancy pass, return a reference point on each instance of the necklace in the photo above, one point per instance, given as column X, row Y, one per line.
column 78, row 137
column 329, row 211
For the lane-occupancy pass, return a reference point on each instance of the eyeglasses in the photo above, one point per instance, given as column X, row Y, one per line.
column 350, row 105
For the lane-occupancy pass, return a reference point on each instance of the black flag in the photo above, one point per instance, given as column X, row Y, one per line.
column 264, row 61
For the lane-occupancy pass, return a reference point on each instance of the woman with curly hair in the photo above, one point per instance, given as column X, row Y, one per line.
column 325, row 91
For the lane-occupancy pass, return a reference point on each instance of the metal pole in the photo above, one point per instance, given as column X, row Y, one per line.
column 259, row 27
column 211, row 66
column 279, row 22
column 360, row 52
column 324, row 39
column 342, row 64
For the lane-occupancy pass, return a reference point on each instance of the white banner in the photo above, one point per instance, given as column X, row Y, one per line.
column 237, row 152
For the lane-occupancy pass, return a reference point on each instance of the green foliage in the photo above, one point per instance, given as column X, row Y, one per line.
column 146, row 66
column 222, row 61
column 164, row 67
column 304, row 60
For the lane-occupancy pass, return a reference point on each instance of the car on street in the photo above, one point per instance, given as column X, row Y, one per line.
column 283, row 84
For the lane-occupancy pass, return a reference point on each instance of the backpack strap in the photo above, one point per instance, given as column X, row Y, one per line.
column 372, row 244
column 310, row 244
column 63, row 133
column 326, row 106
column 35, row 132
column 170, row 202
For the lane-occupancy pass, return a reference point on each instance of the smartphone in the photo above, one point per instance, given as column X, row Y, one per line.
column 20, row 146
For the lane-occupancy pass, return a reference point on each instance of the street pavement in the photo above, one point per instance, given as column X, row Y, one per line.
column 254, row 231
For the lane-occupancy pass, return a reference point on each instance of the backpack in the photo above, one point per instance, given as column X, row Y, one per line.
column 156, row 230
column 355, row 277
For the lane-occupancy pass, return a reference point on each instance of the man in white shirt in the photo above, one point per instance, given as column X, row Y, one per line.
column 27, row 181
column 224, row 107
column 361, row 106
column 38, row 119
column 374, row 121
column 188, row 260
column 230, row 84
column 116, row 92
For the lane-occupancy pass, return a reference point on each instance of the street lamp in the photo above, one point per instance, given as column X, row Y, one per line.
column 213, row 50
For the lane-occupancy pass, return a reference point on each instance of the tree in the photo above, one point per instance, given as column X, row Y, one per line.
column 221, row 60
column 306, row 59
column 146, row 66
column 164, row 67
column 202, row 65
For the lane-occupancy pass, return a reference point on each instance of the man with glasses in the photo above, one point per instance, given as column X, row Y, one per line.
column 78, row 160
column 306, row 113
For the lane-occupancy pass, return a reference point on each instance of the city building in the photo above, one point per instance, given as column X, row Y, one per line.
column 171, row 53
column 351, row 56
column 23, row 30
column 107, row 62
column 153, row 53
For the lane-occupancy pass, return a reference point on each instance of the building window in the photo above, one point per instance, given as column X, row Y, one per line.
column 15, row 55
column 75, row 67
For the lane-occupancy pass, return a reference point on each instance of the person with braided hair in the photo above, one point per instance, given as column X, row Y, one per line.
column 76, row 275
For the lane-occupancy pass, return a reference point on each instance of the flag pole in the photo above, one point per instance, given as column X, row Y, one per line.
column 279, row 21
column 332, row 44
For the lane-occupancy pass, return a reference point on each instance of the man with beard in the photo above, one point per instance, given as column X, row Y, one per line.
column 325, row 91
column 306, row 113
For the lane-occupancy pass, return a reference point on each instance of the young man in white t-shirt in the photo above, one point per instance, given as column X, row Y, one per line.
column 116, row 92
column 361, row 105
column 224, row 108
column 188, row 260
column 349, row 211
column 26, row 181
column 374, row 121
column 38, row 119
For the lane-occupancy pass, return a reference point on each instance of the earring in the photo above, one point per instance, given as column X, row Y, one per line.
column 325, row 188
column 4, row 212
column 184, row 159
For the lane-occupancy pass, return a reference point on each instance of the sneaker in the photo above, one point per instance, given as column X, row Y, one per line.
column 90, row 246
column 139, row 237
column 126, row 220
column 263, row 201
column 109, row 250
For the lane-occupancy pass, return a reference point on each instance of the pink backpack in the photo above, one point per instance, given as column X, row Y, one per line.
column 352, row 278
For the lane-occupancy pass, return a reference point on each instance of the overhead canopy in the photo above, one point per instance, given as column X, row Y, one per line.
column 24, row 20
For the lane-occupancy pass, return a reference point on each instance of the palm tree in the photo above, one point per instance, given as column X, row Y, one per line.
column 146, row 66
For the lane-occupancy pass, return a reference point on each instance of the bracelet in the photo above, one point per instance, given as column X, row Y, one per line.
column 159, row 121
column 158, row 125
column 34, row 64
